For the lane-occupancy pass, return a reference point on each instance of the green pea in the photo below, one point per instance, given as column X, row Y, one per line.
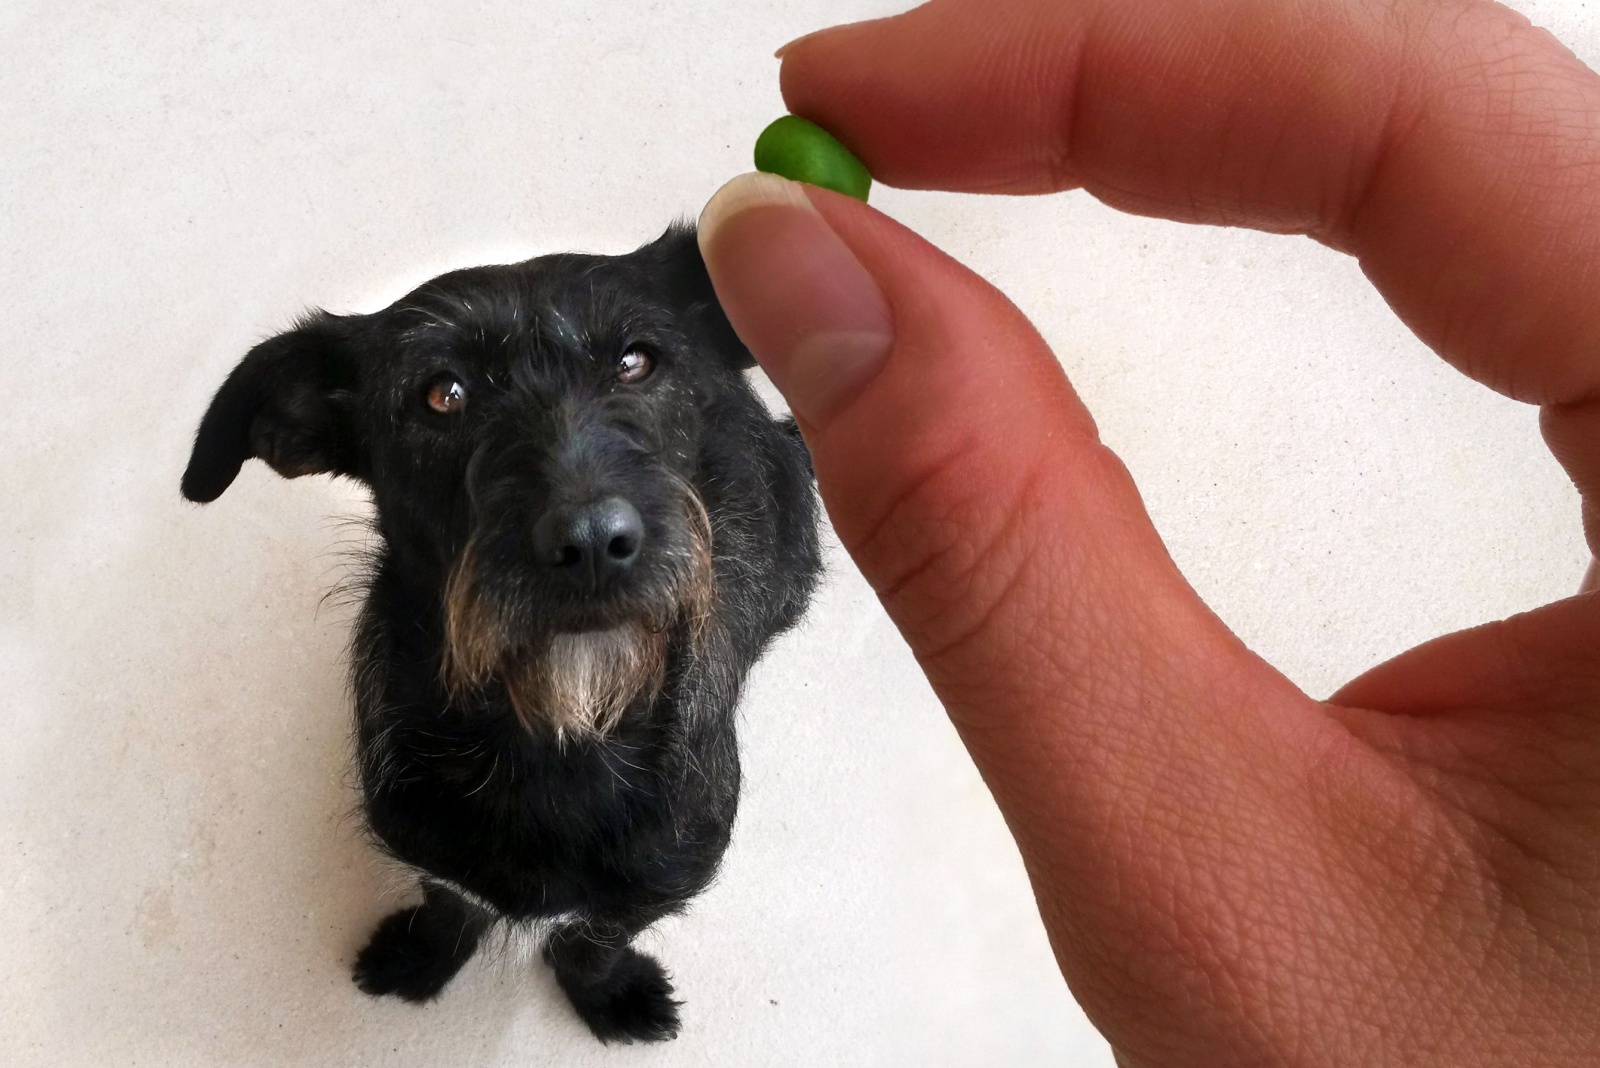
column 805, row 152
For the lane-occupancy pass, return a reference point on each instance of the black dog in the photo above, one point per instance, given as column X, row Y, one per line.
column 591, row 528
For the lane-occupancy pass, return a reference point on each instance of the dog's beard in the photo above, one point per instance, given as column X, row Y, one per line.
column 575, row 683
column 583, row 683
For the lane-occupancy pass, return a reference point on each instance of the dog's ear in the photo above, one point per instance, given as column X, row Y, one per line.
column 675, row 258
column 290, row 402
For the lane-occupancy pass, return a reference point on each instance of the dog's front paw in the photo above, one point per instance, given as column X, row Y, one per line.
column 412, row 955
column 633, row 1003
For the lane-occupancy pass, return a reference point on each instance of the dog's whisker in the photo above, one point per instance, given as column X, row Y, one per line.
column 488, row 778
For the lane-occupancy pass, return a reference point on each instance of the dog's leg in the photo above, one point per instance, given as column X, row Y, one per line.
column 416, row 951
column 620, row 993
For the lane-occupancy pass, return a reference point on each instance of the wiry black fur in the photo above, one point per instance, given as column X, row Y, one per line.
column 598, row 834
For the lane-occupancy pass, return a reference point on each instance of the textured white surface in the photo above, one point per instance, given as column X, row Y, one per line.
column 180, row 882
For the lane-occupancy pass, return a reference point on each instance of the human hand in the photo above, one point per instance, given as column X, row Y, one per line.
column 1230, row 872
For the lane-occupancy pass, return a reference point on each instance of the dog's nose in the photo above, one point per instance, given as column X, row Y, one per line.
column 590, row 544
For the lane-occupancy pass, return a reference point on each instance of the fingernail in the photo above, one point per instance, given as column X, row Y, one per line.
column 803, row 37
column 811, row 315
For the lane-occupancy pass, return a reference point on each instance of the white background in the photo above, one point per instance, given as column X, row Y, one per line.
column 180, row 880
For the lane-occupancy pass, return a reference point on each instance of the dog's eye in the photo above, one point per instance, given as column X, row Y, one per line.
column 447, row 395
column 635, row 366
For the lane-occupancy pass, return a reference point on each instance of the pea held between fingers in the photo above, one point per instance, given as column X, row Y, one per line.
column 801, row 150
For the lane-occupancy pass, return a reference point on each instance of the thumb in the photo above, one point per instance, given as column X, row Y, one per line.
column 963, row 474
column 1129, row 738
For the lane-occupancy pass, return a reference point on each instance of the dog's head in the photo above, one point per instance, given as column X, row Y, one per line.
column 531, row 435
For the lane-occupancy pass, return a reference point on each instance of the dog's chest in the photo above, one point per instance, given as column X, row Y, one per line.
column 531, row 825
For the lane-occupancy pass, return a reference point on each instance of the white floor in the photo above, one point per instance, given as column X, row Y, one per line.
column 180, row 881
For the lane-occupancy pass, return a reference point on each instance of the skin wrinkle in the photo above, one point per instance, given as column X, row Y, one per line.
column 1074, row 635
column 1279, row 1016
column 1188, row 72
column 1225, row 952
column 994, row 675
column 1335, row 224
column 1060, row 159
column 1498, row 833
column 1031, row 75
column 1361, row 994
column 1514, row 650
column 985, row 552
column 1499, row 102
column 1170, row 823
column 1342, row 221
column 1491, row 854
column 1339, row 205
column 1418, row 870
column 866, row 546
column 1239, row 121
column 1144, row 836
column 1438, row 884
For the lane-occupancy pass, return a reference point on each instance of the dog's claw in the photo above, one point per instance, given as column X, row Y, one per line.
column 633, row 1004
column 411, row 956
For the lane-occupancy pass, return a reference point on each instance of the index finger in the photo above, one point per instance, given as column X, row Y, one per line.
column 1448, row 144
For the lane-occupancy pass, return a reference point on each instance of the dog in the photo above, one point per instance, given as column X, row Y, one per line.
column 590, row 528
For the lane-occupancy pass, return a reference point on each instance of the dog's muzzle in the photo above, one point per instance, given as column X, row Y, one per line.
column 580, row 679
